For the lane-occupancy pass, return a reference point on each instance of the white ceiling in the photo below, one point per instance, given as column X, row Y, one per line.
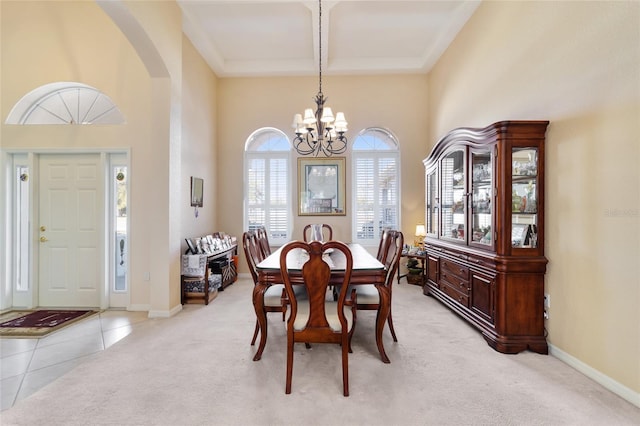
column 280, row 37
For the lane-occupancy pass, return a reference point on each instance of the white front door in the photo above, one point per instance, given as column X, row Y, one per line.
column 71, row 216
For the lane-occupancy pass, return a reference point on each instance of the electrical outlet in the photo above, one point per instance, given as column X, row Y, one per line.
column 547, row 301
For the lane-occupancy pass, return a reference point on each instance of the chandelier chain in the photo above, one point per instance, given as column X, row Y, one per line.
column 320, row 132
column 320, row 44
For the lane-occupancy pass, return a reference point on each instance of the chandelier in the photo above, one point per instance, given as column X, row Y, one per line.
column 320, row 131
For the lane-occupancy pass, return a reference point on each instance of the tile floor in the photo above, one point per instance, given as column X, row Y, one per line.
column 27, row 365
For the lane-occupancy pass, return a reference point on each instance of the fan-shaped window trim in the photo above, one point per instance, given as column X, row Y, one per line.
column 375, row 139
column 268, row 139
column 65, row 103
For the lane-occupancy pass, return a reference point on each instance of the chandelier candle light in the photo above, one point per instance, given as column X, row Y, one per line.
column 320, row 132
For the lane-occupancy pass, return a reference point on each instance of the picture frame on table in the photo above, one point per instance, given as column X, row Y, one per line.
column 191, row 246
column 206, row 248
column 518, row 234
column 199, row 246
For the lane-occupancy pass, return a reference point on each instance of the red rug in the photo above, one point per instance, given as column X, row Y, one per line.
column 38, row 323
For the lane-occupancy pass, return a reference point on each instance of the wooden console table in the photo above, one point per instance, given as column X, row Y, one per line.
column 219, row 272
column 422, row 263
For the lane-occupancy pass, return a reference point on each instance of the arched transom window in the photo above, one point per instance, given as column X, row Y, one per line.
column 65, row 103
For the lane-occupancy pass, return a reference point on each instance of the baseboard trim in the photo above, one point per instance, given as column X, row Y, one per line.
column 138, row 308
column 165, row 314
column 618, row 388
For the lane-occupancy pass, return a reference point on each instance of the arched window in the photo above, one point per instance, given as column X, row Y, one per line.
column 267, row 192
column 65, row 103
column 375, row 163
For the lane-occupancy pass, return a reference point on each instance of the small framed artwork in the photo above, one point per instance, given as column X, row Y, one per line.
column 191, row 246
column 199, row 246
column 518, row 234
column 197, row 191
column 321, row 186
column 205, row 245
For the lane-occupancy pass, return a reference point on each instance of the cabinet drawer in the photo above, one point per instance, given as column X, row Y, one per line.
column 455, row 282
column 432, row 269
column 463, row 299
column 454, row 268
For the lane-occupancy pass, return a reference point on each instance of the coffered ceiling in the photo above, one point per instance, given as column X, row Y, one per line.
column 280, row 37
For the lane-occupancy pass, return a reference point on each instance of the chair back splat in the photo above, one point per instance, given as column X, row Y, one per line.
column 384, row 244
column 327, row 232
column 318, row 318
column 263, row 241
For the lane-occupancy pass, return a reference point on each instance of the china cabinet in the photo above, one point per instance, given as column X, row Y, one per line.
column 485, row 230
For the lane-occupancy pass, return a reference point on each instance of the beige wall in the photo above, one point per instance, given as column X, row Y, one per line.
column 199, row 156
column 395, row 102
column 576, row 64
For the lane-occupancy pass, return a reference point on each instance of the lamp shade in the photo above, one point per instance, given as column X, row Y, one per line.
column 309, row 117
column 420, row 230
column 340, row 123
column 327, row 115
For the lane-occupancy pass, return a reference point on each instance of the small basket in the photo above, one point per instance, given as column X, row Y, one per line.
column 415, row 279
column 194, row 265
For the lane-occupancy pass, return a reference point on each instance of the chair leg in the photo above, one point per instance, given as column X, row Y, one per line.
column 289, row 364
column 353, row 329
column 390, row 322
column 255, row 333
column 345, row 366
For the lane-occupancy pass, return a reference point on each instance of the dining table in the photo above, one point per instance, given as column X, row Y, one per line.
column 366, row 270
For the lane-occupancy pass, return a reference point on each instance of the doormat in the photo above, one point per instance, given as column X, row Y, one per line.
column 38, row 323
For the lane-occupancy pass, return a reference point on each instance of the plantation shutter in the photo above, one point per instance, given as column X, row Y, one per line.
column 278, row 191
column 256, row 191
column 364, row 184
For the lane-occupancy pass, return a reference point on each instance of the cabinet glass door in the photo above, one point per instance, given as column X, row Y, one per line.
column 524, row 196
column 431, row 219
column 482, row 198
column 453, row 206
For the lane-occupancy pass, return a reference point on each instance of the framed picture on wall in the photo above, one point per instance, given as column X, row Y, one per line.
column 197, row 192
column 321, row 186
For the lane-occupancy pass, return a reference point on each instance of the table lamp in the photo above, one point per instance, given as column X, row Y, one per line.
column 420, row 234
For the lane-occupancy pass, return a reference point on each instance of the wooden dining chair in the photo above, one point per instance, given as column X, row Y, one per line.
column 318, row 319
column 371, row 295
column 327, row 231
column 273, row 295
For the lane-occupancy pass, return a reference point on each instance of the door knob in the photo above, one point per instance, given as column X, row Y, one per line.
column 43, row 239
column 43, row 228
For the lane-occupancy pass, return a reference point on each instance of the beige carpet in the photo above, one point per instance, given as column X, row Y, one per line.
column 196, row 369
